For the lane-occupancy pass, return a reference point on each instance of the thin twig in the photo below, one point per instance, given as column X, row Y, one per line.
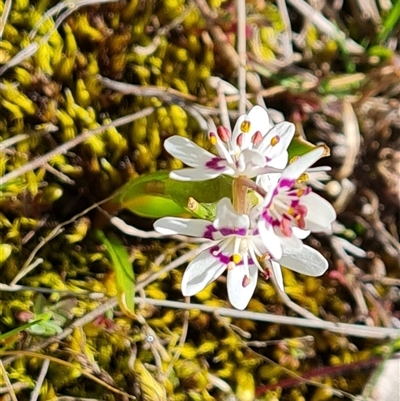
column 69, row 365
column 33, row 47
column 351, row 131
column 111, row 303
column 26, row 269
column 340, row 328
column 61, row 176
column 39, row 383
column 287, row 34
column 17, row 288
column 12, row 141
column 7, row 382
column 292, row 305
column 182, row 340
column 62, row 149
column 325, row 26
column 15, row 386
column 241, row 46
column 223, row 107
column 4, row 16
column 28, row 265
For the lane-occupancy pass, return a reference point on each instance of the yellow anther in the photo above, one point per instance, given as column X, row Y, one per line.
column 236, row 258
column 290, row 211
column 275, row 140
column 300, row 192
column 213, row 139
column 245, row 126
column 303, row 177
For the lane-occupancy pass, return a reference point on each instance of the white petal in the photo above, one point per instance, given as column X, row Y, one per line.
column 270, row 239
column 239, row 296
column 220, row 145
column 284, row 131
column 299, row 233
column 268, row 181
column 175, row 225
column 204, row 269
column 248, row 161
column 280, row 161
column 259, row 120
column 236, row 132
column 227, row 217
column 291, row 242
column 198, row 174
column 306, row 261
column 297, row 168
column 184, row 149
column 276, row 269
column 320, row 213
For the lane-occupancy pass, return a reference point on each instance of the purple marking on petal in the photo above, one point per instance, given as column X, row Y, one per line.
column 226, row 259
column 225, row 231
column 209, row 233
column 214, row 249
column 269, row 219
column 285, row 182
column 213, row 164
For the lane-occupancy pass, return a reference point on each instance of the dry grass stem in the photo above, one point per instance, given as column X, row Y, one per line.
column 62, row 149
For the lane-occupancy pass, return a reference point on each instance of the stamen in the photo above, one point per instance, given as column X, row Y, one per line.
column 303, row 177
column 245, row 126
column 223, row 133
column 275, row 140
column 236, row 258
column 213, row 138
column 246, row 281
column 257, row 138
column 300, row 192
column 301, row 223
column 285, row 227
column 266, row 274
column 239, row 139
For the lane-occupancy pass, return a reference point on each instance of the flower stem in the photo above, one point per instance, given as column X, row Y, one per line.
column 239, row 191
column 240, row 186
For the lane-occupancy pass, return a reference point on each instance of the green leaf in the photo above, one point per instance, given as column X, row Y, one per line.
column 145, row 196
column 155, row 195
column 299, row 147
column 123, row 272
column 19, row 329
column 209, row 191
column 390, row 22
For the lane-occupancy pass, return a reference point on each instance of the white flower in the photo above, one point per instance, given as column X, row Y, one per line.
column 290, row 212
column 238, row 248
column 254, row 147
column 234, row 248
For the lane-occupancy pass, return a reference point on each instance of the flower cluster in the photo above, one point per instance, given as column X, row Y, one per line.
column 271, row 212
